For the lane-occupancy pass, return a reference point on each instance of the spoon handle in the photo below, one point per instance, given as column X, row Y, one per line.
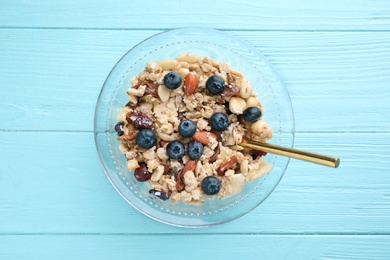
column 293, row 153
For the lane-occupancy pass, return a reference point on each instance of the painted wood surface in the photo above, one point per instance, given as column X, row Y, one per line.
column 232, row 14
column 55, row 201
column 222, row 247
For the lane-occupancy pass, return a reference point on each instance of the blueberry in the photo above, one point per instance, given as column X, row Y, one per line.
column 187, row 128
column 120, row 128
column 219, row 121
column 146, row 138
column 159, row 194
column 211, row 185
column 251, row 114
column 195, row 150
column 215, row 85
column 172, row 80
column 175, row 149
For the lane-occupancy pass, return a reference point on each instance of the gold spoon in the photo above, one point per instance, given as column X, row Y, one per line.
column 293, row 153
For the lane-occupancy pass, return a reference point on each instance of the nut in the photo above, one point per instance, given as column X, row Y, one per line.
column 190, row 166
column 168, row 64
column 189, row 57
column 246, row 89
column 244, row 167
column 163, row 93
column 237, row 105
column 206, row 67
column 126, row 138
column 190, row 84
column 183, row 72
column 157, row 173
column 261, row 129
column 203, row 137
column 227, row 164
column 132, row 164
column 252, row 102
column 153, row 67
column 139, row 92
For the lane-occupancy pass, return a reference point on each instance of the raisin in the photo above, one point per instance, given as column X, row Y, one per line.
column 172, row 171
column 159, row 194
column 230, row 90
column 179, row 181
column 141, row 173
column 142, row 121
column 256, row 154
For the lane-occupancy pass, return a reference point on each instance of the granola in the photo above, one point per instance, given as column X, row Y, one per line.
column 155, row 109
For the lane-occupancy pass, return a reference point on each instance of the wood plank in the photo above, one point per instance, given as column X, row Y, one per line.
column 191, row 247
column 234, row 14
column 53, row 183
column 337, row 81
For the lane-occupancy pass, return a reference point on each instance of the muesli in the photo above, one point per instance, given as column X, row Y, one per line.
column 182, row 127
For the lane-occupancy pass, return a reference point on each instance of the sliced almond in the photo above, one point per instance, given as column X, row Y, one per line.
column 163, row 93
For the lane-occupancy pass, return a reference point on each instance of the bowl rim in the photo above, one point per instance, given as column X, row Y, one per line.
column 112, row 181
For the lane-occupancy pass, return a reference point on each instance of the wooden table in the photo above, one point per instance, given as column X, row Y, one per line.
column 55, row 200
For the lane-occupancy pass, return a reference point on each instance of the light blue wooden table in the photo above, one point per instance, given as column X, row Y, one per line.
column 56, row 202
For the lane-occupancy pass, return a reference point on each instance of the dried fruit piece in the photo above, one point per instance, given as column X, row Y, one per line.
column 179, row 181
column 229, row 163
column 190, row 166
column 190, row 84
column 230, row 90
column 203, row 137
column 141, row 173
column 151, row 88
column 255, row 154
column 142, row 121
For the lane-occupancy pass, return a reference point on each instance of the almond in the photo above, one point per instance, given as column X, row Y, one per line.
column 203, row 137
column 227, row 164
column 190, row 166
column 190, row 84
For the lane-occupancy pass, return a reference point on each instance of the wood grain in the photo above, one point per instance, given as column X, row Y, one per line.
column 233, row 14
column 337, row 81
column 53, row 183
column 227, row 247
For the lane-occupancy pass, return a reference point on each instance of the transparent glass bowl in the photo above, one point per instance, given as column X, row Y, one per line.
column 221, row 47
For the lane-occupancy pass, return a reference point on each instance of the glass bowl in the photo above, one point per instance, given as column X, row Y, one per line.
column 221, row 47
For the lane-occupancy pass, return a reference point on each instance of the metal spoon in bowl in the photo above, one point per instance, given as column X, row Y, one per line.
column 293, row 153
